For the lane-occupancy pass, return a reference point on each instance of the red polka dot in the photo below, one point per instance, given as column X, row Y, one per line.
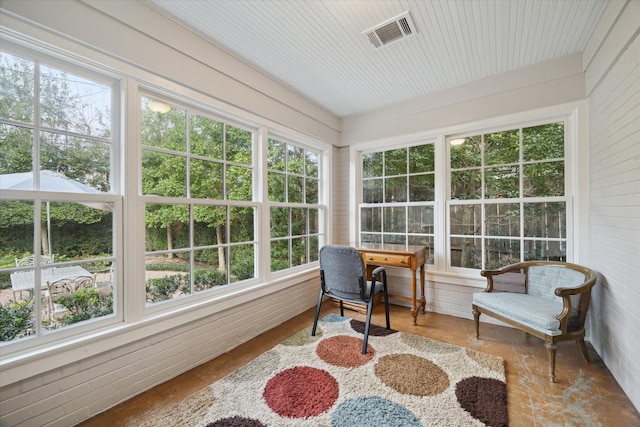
column 301, row 392
column 344, row 351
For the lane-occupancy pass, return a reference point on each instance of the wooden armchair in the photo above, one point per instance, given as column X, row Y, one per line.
column 547, row 299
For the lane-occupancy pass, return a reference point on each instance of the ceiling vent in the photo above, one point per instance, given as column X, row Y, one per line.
column 391, row 30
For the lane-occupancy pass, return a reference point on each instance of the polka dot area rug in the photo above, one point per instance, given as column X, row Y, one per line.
column 404, row 380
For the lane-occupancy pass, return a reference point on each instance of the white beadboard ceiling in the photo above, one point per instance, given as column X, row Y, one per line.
column 317, row 47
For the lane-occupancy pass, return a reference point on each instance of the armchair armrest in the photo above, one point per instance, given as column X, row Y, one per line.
column 518, row 268
column 575, row 301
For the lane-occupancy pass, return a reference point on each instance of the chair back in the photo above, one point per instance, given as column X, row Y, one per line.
column 544, row 279
column 31, row 260
column 342, row 271
column 69, row 285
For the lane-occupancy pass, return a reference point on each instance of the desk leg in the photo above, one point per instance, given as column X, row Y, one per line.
column 414, row 310
column 423, row 299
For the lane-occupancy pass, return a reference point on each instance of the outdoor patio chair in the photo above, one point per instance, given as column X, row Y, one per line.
column 31, row 259
column 343, row 276
column 66, row 286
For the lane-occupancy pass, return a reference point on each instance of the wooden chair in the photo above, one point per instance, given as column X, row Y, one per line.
column 547, row 299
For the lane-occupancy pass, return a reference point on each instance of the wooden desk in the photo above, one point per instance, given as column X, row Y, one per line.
column 403, row 256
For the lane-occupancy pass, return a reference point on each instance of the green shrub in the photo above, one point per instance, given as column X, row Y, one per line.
column 84, row 304
column 206, row 279
column 16, row 320
column 163, row 288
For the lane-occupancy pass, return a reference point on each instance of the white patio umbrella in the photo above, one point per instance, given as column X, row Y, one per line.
column 50, row 181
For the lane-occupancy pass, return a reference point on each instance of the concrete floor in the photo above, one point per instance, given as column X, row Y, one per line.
column 584, row 394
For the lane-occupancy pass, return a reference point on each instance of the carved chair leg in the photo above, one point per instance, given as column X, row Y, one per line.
column 476, row 320
column 583, row 349
column 551, row 355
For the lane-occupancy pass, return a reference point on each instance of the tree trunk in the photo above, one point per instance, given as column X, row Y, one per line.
column 170, row 242
column 222, row 263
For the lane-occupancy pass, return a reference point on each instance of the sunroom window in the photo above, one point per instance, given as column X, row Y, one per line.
column 507, row 197
column 197, row 186
column 398, row 197
column 293, row 184
column 57, row 204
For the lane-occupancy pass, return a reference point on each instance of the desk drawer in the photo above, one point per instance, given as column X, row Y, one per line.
column 386, row 259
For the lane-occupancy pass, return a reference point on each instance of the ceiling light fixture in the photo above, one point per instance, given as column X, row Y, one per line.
column 457, row 141
column 158, row 107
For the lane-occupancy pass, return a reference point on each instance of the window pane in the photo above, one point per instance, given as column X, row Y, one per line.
column 311, row 189
column 502, row 182
column 166, row 277
column 311, row 164
column 276, row 155
column 421, row 219
column 543, row 179
column 239, row 183
column 17, row 88
column 16, row 149
column 276, row 187
column 242, row 262
column 167, row 227
column 502, row 219
column 298, row 221
column 206, row 179
column 395, row 220
column 210, row 270
column 209, row 224
column 372, row 191
column 501, row 252
column 279, row 222
column 426, row 241
column 467, row 154
column 313, row 221
column 279, row 255
column 370, row 238
column 314, row 247
column 163, row 130
column 17, row 227
column 295, row 159
column 546, row 250
column 163, row 174
column 545, row 220
column 78, row 230
column 239, row 145
column 242, row 224
column 72, row 296
column 82, row 160
column 422, row 158
column 395, row 189
column 466, row 219
column 205, row 137
column 294, row 189
column 422, row 188
column 502, row 147
column 466, row 252
column 543, row 142
column 73, row 103
column 395, row 162
column 371, row 219
column 466, row 184
column 394, row 239
column 372, row 165
column 298, row 251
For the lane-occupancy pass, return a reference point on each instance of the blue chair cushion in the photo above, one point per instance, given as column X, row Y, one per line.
column 536, row 312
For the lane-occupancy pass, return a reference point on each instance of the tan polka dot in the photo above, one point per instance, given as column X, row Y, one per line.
column 410, row 374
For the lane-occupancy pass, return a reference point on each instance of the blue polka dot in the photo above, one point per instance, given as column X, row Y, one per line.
column 334, row 318
column 373, row 411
